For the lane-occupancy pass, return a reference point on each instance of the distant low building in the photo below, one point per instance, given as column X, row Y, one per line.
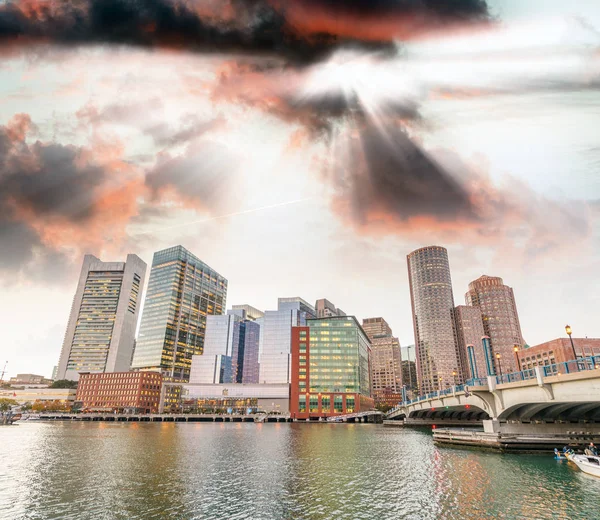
column 31, row 395
column 120, row 391
column 558, row 351
column 29, row 379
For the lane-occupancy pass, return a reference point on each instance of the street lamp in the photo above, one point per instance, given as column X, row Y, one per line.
column 499, row 364
column 569, row 332
column 454, row 377
column 516, row 349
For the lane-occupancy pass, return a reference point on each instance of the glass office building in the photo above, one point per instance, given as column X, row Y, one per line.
column 330, row 368
column 182, row 292
column 276, row 336
column 101, row 329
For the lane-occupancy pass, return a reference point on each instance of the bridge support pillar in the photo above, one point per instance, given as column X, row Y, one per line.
column 491, row 426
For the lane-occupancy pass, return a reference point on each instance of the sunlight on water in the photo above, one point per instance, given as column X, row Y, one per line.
column 273, row 471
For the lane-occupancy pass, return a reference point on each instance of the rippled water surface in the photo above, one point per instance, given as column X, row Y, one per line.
column 273, row 471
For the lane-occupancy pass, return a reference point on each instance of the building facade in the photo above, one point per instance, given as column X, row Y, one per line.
column 432, row 300
column 330, row 368
column 500, row 318
column 237, row 398
column 557, row 351
column 101, row 330
column 324, row 309
column 120, row 392
column 276, row 338
column 386, row 361
column 469, row 332
column 182, row 292
column 409, row 376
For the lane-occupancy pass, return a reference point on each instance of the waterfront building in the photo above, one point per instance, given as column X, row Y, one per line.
column 469, row 332
column 558, row 350
column 101, row 329
column 324, row 309
column 250, row 368
column 330, row 368
column 432, row 300
column 252, row 313
column 59, row 396
column 55, row 371
column 385, row 361
column 500, row 318
column 240, row 398
column 276, row 337
column 182, row 292
column 120, row 392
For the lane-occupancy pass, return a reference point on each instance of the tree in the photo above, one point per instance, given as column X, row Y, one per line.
column 64, row 383
column 7, row 404
column 382, row 407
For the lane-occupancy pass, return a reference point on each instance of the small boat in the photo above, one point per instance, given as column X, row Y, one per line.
column 589, row 464
column 558, row 455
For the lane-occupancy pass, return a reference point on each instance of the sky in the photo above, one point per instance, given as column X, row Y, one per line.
column 300, row 148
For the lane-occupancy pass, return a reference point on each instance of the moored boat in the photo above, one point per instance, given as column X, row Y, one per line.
column 589, row 464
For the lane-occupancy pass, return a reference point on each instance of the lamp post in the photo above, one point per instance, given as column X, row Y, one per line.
column 516, row 349
column 569, row 332
column 454, row 377
column 499, row 364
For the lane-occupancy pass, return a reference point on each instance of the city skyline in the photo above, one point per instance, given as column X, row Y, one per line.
column 408, row 341
column 250, row 160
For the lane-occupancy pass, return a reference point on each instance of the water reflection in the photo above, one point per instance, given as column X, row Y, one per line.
column 273, row 471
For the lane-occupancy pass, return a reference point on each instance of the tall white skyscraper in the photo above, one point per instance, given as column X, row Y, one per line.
column 101, row 330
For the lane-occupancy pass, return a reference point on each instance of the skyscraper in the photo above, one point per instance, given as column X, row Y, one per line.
column 101, row 330
column 218, row 363
column 230, row 351
column 469, row 331
column 252, row 313
column 182, row 292
column 385, row 361
column 276, row 337
column 438, row 361
column 500, row 318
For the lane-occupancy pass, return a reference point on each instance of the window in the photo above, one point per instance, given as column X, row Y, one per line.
column 325, row 404
column 337, row 404
column 302, row 404
column 349, row 404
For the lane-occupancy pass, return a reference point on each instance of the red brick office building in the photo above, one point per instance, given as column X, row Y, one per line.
column 330, row 368
column 119, row 391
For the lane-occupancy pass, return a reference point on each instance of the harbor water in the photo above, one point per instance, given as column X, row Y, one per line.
column 74, row 470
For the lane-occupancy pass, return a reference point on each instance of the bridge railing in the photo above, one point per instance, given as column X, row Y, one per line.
column 570, row 367
column 513, row 377
column 477, row 381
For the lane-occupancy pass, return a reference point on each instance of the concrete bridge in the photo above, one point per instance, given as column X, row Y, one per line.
column 554, row 399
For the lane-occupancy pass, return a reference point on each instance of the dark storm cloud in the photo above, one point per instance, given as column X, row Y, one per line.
column 391, row 177
column 257, row 27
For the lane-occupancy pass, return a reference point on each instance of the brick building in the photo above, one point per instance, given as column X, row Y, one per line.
column 120, row 391
column 558, row 351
